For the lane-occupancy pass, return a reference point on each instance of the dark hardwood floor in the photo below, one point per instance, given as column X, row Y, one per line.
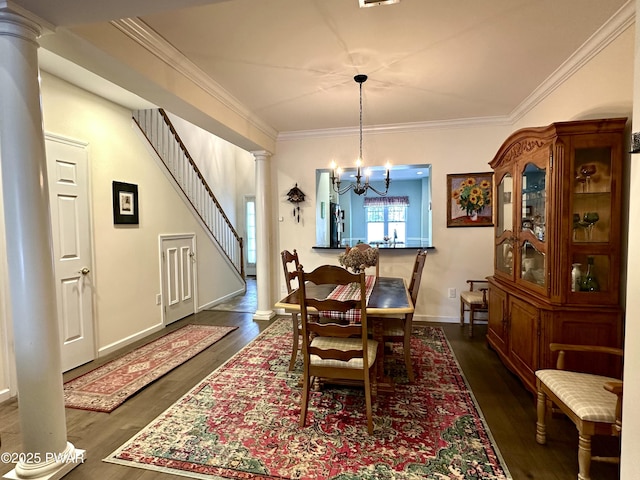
column 508, row 408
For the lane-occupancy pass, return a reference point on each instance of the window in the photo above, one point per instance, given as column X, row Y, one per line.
column 412, row 223
column 386, row 219
column 251, row 231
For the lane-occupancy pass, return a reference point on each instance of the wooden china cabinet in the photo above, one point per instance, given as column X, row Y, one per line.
column 557, row 199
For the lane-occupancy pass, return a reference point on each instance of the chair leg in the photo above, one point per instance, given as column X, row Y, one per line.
column 367, row 398
column 304, row 401
column 296, row 335
column 407, row 356
column 584, row 457
column 461, row 313
column 472, row 312
column 541, row 428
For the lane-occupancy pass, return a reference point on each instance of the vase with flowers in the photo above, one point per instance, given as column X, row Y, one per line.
column 356, row 259
column 472, row 196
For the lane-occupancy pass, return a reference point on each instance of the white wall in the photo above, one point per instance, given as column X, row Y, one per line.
column 126, row 268
column 229, row 170
column 601, row 88
column 460, row 253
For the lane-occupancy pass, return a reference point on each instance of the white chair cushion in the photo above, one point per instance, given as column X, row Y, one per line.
column 474, row 297
column 343, row 344
column 583, row 393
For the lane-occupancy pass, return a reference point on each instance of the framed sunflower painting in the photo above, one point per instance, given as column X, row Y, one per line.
column 470, row 199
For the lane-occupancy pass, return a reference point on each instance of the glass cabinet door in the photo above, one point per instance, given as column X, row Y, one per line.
column 591, row 202
column 533, row 226
column 504, row 225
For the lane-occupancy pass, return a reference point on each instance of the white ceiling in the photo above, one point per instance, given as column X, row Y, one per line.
column 291, row 62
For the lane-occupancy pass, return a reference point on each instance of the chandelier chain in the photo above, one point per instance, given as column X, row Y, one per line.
column 359, row 187
column 360, row 121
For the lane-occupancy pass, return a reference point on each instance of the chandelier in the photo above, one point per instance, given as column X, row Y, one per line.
column 359, row 187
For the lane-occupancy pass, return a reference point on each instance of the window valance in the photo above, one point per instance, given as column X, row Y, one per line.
column 400, row 201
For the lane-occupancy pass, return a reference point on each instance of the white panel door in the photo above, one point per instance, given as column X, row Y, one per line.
column 67, row 171
column 178, row 274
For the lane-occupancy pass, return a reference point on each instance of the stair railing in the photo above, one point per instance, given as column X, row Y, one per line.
column 163, row 138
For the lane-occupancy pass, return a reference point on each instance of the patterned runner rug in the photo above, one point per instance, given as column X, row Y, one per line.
column 108, row 386
column 241, row 422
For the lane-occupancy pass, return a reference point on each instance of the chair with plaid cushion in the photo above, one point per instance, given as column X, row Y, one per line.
column 592, row 402
column 474, row 301
column 335, row 350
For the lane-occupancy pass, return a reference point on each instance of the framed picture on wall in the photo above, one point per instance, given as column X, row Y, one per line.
column 125, row 203
column 469, row 200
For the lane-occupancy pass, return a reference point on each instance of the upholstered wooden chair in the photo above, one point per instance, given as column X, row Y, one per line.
column 332, row 350
column 592, row 402
column 290, row 264
column 398, row 330
column 363, row 247
column 475, row 300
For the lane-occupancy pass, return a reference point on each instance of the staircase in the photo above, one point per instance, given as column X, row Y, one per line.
column 163, row 138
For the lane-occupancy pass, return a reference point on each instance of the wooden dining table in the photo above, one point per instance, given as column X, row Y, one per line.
column 389, row 298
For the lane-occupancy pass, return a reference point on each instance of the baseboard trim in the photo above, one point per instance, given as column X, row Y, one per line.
column 220, row 300
column 128, row 340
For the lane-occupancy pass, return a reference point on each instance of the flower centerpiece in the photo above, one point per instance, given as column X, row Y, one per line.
column 357, row 260
column 472, row 197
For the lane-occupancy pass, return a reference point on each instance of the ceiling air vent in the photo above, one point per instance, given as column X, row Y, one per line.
column 375, row 3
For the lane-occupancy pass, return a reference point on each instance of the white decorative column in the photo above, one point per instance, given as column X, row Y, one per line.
column 629, row 459
column 45, row 450
column 263, row 234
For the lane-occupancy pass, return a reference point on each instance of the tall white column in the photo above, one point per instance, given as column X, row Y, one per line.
column 46, row 451
column 263, row 236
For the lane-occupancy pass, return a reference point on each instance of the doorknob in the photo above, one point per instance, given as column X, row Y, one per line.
column 84, row 271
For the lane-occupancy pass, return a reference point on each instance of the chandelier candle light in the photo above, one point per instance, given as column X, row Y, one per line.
column 359, row 187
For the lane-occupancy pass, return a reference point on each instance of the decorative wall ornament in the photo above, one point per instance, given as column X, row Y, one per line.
column 125, row 203
column 296, row 196
column 469, row 200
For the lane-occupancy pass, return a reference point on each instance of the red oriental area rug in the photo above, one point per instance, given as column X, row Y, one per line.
column 241, row 422
column 108, row 386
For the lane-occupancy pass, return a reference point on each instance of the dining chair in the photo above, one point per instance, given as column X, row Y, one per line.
column 475, row 300
column 398, row 330
column 335, row 350
column 363, row 247
column 592, row 402
column 290, row 264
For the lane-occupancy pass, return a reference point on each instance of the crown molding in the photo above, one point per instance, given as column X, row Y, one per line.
column 395, row 128
column 612, row 29
column 146, row 37
column 142, row 34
